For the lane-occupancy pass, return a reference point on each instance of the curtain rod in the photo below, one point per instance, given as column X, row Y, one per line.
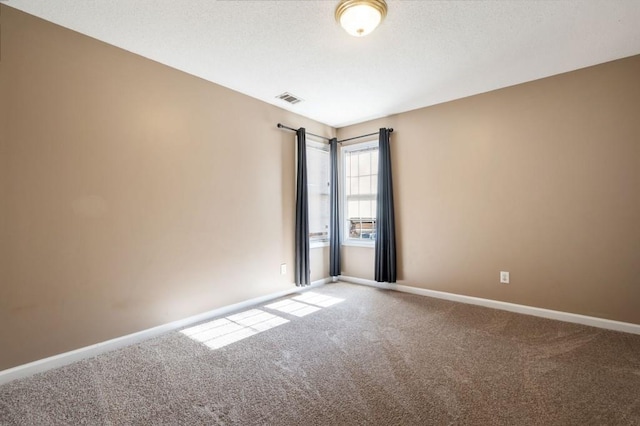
column 282, row 126
column 362, row 136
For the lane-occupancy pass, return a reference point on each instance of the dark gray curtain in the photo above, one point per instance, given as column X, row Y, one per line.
column 334, row 225
column 386, row 228
column 303, row 277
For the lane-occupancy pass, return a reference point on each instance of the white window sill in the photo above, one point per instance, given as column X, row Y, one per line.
column 318, row 244
column 359, row 243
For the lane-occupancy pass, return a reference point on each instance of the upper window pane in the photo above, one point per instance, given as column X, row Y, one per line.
column 353, row 160
column 364, row 184
column 354, row 181
column 364, row 163
column 374, row 162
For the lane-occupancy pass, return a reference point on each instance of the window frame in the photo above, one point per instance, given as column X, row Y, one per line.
column 320, row 145
column 359, row 146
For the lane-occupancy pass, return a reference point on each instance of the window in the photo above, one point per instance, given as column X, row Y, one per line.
column 360, row 166
column 318, row 175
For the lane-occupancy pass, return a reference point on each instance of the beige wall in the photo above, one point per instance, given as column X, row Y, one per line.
column 540, row 179
column 131, row 194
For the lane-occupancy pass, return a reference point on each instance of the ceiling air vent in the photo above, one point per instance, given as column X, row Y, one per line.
column 288, row 97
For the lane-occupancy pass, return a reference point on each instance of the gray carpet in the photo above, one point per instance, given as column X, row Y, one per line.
column 378, row 357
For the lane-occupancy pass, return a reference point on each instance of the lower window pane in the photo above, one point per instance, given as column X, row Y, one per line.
column 362, row 228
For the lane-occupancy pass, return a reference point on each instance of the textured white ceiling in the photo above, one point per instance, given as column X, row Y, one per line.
column 424, row 53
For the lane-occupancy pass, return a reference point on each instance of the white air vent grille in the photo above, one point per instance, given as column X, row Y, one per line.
column 288, row 97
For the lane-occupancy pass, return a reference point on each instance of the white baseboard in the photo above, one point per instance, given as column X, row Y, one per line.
column 66, row 358
column 505, row 306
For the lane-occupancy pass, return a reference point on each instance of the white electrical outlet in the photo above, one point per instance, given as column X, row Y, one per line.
column 283, row 269
column 504, row 277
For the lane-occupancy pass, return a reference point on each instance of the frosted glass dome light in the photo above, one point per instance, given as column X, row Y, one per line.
column 360, row 17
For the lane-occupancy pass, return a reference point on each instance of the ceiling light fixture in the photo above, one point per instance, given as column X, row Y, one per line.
column 360, row 17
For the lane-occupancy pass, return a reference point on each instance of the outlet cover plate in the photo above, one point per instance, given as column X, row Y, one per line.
column 504, row 277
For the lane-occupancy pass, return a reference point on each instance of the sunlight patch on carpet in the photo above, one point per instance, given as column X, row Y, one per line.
column 318, row 299
column 224, row 331
column 233, row 328
column 292, row 307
